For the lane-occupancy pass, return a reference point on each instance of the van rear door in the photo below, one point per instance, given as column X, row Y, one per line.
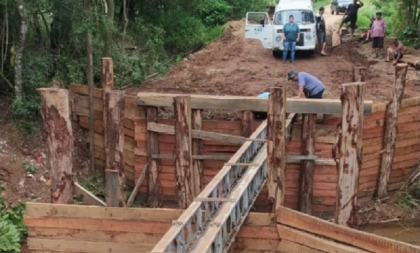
column 258, row 26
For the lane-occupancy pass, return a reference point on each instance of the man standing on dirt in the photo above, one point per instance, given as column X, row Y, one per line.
column 351, row 15
column 309, row 85
column 378, row 35
column 321, row 33
column 291, row 35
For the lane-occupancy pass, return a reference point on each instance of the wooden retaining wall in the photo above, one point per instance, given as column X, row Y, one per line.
column 74, row 228
column 91, row 229
column 325, row 177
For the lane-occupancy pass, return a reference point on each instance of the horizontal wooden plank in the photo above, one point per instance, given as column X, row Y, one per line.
column 87, row 197
column 302, row 105
column 313, row 241
column 77, row 211
column 85, row 246
column 92, row 235
column 34, row 209
column 81, row 89
column 408, row 102
column 364, row 240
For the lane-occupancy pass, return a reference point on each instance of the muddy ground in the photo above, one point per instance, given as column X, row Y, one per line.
column 229, row 66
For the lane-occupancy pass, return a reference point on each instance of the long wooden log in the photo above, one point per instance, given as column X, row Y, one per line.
column 197, row 149
column 55, row 110
column 391, row 129
column 154, row 194
column 276, row 147
column 242, row 103
column 350, row 153
column 114, row 148
column 307, row 166
column 183, row 152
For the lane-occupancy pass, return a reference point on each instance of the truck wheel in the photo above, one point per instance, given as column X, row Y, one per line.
column 276, row 53
column 337, row 12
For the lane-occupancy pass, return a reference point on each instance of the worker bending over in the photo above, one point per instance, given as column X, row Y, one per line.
column 309, row 85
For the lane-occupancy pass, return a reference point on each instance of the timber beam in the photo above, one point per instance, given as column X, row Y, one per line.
column 245, row 103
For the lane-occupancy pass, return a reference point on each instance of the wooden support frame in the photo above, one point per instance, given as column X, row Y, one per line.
column 154, row 193
column 86, row 196
column 138, row 184
column 241, row 103
column 350, row 152
column 55, row 111
column 198, row 134
column 307, row 167
column 391, row 129
column 114, row 148
column 184, row 178
column 197, row 150
column 276, row 147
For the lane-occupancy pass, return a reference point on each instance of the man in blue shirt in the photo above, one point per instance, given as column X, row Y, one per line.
column 291, row 35
column 309, row 85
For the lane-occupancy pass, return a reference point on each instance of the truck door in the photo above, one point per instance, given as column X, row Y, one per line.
column 258, row 26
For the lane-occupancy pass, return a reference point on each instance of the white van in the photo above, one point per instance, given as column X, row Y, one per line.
column 268, row 31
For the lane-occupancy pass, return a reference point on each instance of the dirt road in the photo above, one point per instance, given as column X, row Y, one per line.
column 232, row 65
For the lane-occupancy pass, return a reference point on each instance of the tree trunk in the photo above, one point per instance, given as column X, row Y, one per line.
column 107, row 74
column 197, row 149
column 276, row 147
column 114, row 147
column 55, row 110
column 108, row 39
column 307, row 166
column 350, row 153
column 19, row 50
column 391, row 129
column 153, row 149
column 183, row 154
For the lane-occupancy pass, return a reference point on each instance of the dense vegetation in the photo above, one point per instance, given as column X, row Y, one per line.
column 45, row 40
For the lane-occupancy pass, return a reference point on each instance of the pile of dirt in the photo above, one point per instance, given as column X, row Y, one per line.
column 233, row 65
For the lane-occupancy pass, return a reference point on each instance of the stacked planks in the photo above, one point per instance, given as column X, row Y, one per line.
column 74, row 228
column 80, row 108
column 166, row 147
column 304, row 233
column 407, row 146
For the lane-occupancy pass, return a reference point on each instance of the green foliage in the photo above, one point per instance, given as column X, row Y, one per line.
column 410, row 36
column 214, row 12
column 12, row 228
column 407, row 202
column 29, row 167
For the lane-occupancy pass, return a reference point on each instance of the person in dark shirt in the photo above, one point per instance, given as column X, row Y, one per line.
column 351, row 15
column 321, row 31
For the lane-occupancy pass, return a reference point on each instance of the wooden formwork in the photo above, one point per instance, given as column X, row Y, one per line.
column 90, row 229
column 325, row 176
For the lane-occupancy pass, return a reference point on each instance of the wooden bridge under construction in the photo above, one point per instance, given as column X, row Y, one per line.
column 224, row 186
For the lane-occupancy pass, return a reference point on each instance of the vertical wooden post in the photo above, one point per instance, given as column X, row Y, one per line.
column 307, row 166
column 154, row 193
column 183, row 152
column 107, row 84
column 247, row 119
column 276, row 147
column 55, row 111
column 91, row 85
column 107, row 74
column 350, row 154
column 114, row 148
column 391, row 129
column 197, row 149
column 359, row 74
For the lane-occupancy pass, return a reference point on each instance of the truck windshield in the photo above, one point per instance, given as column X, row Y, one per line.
column 300, row 17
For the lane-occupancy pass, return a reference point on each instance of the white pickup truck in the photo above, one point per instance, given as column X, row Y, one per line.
column 269, row 31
